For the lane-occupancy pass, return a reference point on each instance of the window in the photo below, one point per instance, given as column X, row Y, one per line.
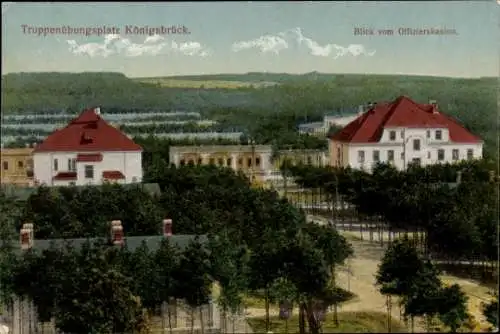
column 240, row 162
column 20, row 164
column 72, row 184
column 376, row 156
column 249, row 162
column 390, row 155
column 361, row 156
column 89, row 171
column 56, row 165
column 470, row 154
column 211, row 161
column 191, row 162
column 200, row 161
column 183, row 162
column 5, row 165
column 454, row 154
column 72, row 165
column 402, row 133
column 309, row 160
column 402, row 155
column 440, row 154
column 392, row 135
column 439, row 134
column 134, row 179
column 220, row 161
column 429, row 155
column 416, row 144
column 416, row 161
column 229, row 161
column 30, row 163
column 428, row 133
column 257, row 161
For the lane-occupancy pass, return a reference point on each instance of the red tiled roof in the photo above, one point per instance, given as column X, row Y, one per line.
column 113, row 175
column 65, row 176
column 87, row 132
column 402, row 112
column 90, row 157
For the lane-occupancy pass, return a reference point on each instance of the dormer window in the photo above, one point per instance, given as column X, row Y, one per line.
column 439, row 134
column 86, row 138
column 392, row 135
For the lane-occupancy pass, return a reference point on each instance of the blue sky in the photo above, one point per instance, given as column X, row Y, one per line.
column 239, row 37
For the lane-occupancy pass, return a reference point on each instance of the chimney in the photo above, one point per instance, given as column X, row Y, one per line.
column 27, row 236
column 117, row 232
column 167, row 227
column 434, row 105
column 361, row 109
column 97, row 110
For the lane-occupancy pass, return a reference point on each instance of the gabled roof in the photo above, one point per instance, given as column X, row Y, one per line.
column 87, row 133
column 153, row 242
column 402, row 112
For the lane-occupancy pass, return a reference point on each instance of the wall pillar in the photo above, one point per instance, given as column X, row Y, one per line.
column 204, row 158
column 234, row 161
column 176, row 159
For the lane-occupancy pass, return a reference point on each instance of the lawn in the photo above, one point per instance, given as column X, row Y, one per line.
column 349, row 322
column 255, row 299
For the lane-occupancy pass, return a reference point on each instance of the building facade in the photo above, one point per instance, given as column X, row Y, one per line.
column 401, row 133
column 16, row 166
column 310, row 157
column 88, row 151
column 253, row 160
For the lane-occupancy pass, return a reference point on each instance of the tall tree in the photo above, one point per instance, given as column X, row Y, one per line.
column 193, row 278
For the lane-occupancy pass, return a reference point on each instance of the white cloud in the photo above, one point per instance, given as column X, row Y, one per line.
column 152, row 46
column 282, row 41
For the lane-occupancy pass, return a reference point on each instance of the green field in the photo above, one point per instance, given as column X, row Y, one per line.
column 349, row 322
column 202, row 84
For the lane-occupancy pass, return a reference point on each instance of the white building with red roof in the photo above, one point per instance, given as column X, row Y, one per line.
column 400, row 133
column 87, row 151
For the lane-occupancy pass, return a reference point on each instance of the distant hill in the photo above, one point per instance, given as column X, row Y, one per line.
column 287, row 77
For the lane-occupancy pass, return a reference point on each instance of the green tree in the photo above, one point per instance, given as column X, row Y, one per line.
column 490, row 312
column 398, row 271
column 229, row 268
column 166, row 262
column 112, row 308
column 452, row 307
column 306, row 267
column 193, row 278
column 335, row 249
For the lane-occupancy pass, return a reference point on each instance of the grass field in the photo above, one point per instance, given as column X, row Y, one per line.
column 206, row 84
column 256, row 300
column 349, row 322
